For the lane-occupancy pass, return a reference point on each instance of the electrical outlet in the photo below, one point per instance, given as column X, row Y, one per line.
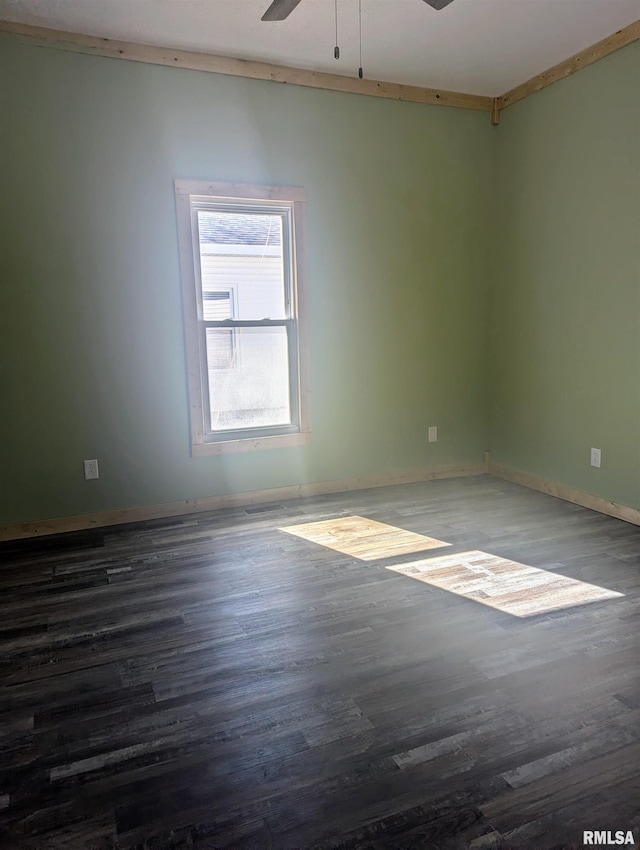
column 433, row 434
column 90, row 470
column 595, row 457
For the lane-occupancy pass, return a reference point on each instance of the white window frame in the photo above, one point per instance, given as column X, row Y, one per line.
column 192, row 195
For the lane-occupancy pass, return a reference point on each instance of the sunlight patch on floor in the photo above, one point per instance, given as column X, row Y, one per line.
column 363, row 538
column 514, row 588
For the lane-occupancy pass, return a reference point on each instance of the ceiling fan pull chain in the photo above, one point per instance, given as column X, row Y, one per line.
column 360, row 71
column 336, row 52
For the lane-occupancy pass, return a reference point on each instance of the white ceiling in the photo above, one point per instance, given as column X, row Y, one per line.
column 477, row 46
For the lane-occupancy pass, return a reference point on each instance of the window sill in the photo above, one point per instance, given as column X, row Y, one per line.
column 249, row 444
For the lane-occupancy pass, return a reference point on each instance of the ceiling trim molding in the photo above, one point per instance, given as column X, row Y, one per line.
column 106, row 47
column 586, row 57
column 152, row 54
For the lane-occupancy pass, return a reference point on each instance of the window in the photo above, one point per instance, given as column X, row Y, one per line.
column 241, row 249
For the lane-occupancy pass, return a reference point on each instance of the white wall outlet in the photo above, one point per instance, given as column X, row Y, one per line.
column 595, row 457
column 433, row 433
column 90, row 470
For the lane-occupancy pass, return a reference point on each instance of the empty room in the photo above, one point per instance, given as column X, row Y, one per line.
column 320, row 439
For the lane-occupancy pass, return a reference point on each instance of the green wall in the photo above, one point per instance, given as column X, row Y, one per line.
column 91, row 342
column 565, row 331
column 486, row 280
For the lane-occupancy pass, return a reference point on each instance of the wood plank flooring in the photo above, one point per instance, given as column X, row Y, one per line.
column 216, row 682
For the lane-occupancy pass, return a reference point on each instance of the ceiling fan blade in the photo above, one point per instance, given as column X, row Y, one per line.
column 438, row 4
column 281, row 9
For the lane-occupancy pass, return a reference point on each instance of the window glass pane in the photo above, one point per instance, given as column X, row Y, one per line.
column 252, row 391
column 221, row 350
column 216, row 306
column 242, row 252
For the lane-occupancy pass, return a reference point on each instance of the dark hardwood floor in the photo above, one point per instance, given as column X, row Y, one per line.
column 215, row 682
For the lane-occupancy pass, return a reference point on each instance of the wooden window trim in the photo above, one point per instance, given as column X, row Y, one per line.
column 202, row 443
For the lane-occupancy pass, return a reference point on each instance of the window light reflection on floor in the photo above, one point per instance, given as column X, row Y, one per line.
column 514, row 588
column 508, row 586
column 364, row 539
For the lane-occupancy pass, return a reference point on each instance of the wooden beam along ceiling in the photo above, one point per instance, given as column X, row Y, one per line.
column 109, row 48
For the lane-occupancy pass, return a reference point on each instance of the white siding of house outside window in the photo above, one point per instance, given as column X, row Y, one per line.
column 257, row 283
